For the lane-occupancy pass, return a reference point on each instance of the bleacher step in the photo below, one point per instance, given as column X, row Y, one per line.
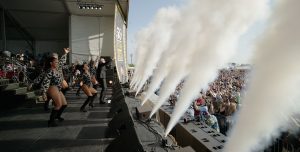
column 4, row 81
column 8, row 87
column 27, row 95
column 21, row 90
column 30, row 95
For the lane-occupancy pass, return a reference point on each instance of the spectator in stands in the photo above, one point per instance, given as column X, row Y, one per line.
column 222, row 98
column 172, row 99
column 211, row 120
column 199, row 107
column 228, row 107
column 224, row 106
column 237, row 95
column 218, row 101
column 231, row 109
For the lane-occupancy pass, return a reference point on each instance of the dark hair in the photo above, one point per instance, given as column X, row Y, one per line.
column 91, row 64
column 48, row 60
column 80, row 67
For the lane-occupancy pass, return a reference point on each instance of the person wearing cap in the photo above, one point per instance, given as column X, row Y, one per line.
column 199, row 106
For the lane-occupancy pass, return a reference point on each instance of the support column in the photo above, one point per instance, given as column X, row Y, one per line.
column 3, row 30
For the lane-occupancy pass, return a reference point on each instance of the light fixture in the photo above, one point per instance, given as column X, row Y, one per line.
column 85, row 5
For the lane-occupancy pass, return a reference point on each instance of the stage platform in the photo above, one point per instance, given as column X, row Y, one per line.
column 25, row 128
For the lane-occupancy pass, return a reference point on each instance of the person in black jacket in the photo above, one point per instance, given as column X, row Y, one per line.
column 101, row 77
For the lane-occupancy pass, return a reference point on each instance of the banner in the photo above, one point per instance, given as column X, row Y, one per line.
column 120, row 47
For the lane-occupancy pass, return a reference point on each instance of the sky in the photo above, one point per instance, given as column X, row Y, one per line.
column 142, row 12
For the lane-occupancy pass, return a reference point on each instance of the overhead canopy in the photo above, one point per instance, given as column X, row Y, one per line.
column 49, row 19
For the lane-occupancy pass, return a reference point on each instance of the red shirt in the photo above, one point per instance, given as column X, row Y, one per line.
column 199, row 102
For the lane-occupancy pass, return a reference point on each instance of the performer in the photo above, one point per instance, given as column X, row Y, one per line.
column 51, row 87
column 37, row 81
column 93, row 71
column 86, row 87
column 62, row 66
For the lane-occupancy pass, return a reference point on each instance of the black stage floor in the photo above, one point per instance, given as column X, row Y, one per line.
column 25, row 128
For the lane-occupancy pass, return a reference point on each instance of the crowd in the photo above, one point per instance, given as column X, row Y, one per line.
column 52, row 76
column 219, row 102
column 217, row 105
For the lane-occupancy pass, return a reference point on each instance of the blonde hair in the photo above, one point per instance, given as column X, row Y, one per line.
column 230, row 109
column 55, row 55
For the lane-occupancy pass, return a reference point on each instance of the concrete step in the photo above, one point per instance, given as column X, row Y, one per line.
column 10, row 86
column 25, row 96
column 21, row 90
column 4, row 81
column 39, row 100
column 31, row 95
column 22, row 84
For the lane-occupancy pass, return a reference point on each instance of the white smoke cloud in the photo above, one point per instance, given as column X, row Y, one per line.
column 141, row 51
column 159, row 74
column 157, row 39
column 202, row 41
column 273, row 94
column 173, row 64
column 221, row 25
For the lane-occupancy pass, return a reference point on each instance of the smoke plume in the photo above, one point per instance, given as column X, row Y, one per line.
column 273, row 94
column 219, row 27
column 153, row 43
column 202, row 39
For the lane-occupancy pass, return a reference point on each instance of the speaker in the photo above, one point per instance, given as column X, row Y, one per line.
column 130, row 93
column 185, row 149
column 122, row 125
column 117, row 97
column 143, row 112
column 117, row 107
column 128, row 141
